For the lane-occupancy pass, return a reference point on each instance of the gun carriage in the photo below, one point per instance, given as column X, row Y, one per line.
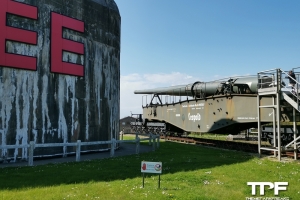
column 264, row 101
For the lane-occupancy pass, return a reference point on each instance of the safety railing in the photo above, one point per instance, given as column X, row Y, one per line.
column 150, row 100
column 154, row 139
column 279, row 79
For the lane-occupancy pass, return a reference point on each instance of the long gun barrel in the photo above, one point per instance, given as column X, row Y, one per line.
column 240, row 85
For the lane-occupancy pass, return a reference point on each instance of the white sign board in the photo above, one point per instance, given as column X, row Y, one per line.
column 151, row 167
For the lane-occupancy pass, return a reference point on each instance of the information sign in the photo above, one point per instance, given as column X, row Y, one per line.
column 151, row 167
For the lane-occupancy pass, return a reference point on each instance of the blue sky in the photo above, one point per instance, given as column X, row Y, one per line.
column 170, row 42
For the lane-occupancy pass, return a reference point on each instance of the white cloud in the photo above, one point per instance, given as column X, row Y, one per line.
column 175, row 78
column 131, row 102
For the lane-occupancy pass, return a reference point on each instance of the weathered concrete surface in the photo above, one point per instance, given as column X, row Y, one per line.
column 47, row 107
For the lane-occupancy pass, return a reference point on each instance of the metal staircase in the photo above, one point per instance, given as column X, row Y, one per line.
column 291, row 101
column 279, row 91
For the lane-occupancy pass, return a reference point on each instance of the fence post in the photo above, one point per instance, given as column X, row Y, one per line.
column 153, row 143
column 78, row 149
column 136, row 134
column 137, row 145
column 112, row 147
column 31, row 149
column 150, row 138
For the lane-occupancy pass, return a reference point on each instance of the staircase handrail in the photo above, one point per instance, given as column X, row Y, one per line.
column 292, row 142
column 290, row 77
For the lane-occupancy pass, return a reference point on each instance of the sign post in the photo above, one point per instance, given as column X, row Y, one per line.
column 151, row 167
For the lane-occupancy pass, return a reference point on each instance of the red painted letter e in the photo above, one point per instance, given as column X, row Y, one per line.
column 59, row 44
column 16, row 34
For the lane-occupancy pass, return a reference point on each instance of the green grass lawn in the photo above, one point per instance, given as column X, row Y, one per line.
column 189, row 172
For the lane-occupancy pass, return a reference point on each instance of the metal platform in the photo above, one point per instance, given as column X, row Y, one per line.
column 278, row 91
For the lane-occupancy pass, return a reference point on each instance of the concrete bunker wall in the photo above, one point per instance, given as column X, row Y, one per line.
column 48, row 106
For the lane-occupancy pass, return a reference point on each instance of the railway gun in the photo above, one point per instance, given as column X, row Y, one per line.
column 229, row 105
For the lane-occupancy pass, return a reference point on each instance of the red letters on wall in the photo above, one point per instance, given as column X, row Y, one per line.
column 58, row 43
column 16, row 34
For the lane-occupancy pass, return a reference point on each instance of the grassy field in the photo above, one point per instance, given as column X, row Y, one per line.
column 189, row 172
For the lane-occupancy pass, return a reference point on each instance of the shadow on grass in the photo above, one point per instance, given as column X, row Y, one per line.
column 175, row 157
